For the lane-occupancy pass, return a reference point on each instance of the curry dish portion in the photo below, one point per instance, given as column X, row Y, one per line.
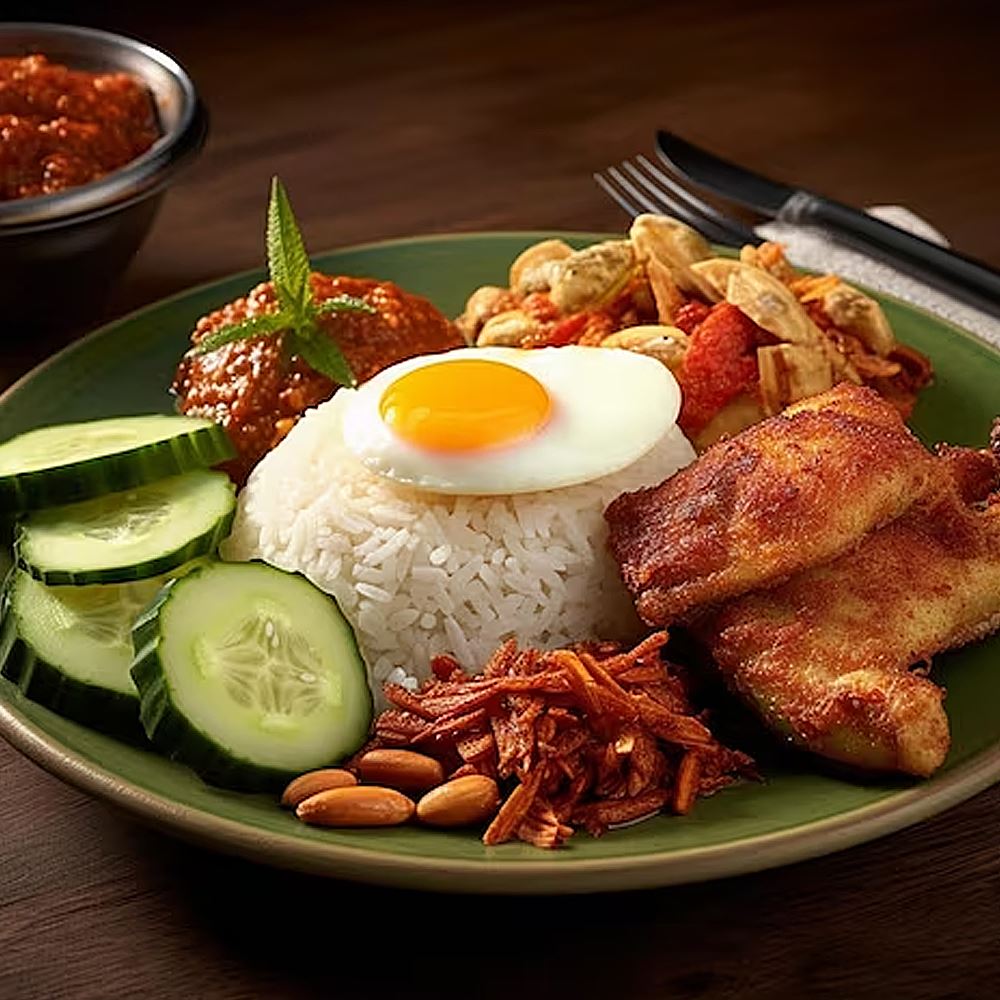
column 745, row 337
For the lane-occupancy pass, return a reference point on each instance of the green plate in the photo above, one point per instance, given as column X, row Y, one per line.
column 798, row 812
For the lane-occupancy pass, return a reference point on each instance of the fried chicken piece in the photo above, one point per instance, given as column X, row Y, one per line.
column 975, row 472
column 826, row 657
column 795, row 490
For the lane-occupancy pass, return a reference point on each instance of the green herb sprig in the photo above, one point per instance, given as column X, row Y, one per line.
column 296, row 320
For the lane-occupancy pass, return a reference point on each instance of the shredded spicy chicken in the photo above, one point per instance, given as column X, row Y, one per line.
column 587, row 737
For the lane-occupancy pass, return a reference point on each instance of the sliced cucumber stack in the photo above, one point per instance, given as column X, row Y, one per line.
column 97, row 510
column 70, row 462
column 70, row 648
column 129, row 535
column 249, row 675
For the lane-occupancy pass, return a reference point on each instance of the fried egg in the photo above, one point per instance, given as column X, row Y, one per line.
column 499, row 420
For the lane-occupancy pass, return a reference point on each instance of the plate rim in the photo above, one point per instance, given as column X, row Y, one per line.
column 508, row 877
column 505, row 876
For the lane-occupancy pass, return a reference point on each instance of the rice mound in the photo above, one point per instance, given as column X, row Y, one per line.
column 417, row 573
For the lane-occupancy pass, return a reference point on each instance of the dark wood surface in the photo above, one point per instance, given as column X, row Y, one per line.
column 389, row 120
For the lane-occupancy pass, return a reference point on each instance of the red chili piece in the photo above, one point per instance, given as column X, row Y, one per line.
column 720, row 363
column 690, row 315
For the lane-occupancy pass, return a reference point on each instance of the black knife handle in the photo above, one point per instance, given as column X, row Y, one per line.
column 952, row 272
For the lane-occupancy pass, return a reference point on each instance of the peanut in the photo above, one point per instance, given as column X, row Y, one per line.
column 309, row 784
column 462, row 802
column 402, row 769
column 357, row 805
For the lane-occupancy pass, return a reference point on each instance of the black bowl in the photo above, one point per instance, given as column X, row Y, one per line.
column 61, row 254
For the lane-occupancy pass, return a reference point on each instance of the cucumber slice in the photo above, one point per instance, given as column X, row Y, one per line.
column 70, row 648
column 70, row 462
column 130, row 535
column 249, row 675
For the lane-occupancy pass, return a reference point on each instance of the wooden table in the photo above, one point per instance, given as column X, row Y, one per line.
column 387, row 120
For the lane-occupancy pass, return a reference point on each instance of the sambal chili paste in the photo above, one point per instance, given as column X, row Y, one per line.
column 248, row 388
column 60, row 127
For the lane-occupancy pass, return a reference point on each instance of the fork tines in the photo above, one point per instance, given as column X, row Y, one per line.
column 639, row 186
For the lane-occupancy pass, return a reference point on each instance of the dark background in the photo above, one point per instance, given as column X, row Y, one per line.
column 396, row 119
column 389, row 119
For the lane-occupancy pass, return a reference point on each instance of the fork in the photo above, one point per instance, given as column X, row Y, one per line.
column 638, row 186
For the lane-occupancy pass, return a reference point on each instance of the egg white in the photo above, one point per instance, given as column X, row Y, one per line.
column 609, row 407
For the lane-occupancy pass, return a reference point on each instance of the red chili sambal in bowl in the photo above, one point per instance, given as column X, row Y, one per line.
column 62, row 127
column 94, row 127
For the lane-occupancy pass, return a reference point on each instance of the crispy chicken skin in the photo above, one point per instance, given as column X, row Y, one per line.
column 796, row 490
column 975, row 472
column 825, row 658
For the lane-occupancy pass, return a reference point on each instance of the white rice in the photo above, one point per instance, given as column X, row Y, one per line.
column 417, row 574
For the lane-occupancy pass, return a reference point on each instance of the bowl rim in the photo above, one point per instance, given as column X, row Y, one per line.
column 136, row 179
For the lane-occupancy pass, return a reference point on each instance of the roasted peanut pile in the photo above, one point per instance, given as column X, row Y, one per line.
column 587, row 737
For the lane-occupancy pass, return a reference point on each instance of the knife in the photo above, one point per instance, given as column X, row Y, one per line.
column 952, row 272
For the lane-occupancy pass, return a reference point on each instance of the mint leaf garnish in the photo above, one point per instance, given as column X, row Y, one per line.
column 255, row 326
column 287, row 260
column 321, row 353
column 344, row 303
column 295, row 319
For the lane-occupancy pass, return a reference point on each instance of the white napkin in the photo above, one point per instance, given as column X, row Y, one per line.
column 819, row 251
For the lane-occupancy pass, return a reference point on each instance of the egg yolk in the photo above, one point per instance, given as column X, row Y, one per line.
column 465, row 405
